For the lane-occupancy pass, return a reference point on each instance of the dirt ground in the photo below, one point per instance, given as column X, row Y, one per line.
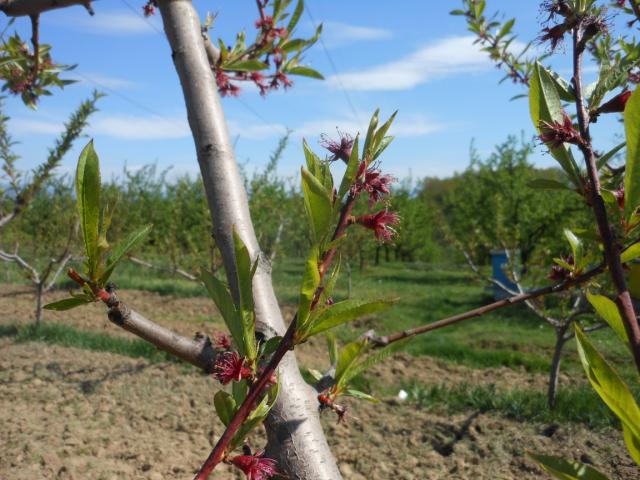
column 67, row 413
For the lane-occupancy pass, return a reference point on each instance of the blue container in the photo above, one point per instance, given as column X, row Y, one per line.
column 500, row 263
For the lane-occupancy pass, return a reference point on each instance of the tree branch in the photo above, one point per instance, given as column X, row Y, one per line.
column 175, row 270
column 20, row 8
column 295, row 436
column 477, row 312
column 611, row 249
column 22, row 263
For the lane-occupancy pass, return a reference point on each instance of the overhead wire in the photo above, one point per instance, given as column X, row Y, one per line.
column 333, row 66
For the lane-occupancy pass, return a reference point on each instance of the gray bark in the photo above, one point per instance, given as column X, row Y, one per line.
column 296, row 439
column 18, row 8
column 554, row 372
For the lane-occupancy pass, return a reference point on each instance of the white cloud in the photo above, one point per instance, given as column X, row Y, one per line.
column 104, row 81
column 449, row 56
column 113, row 23
column 407, row 126
column 126, row 127
column 35, row 127
column 337, row 33
column 131, row 127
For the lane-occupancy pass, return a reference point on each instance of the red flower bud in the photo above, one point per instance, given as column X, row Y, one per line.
column 255, row 467
column 229, row 367
column 556, row 133
column 616, row 104
column 380, row 223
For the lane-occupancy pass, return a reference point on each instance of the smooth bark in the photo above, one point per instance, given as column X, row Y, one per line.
column 296, row 439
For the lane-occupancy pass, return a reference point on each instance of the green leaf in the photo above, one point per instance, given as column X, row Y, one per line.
column 68, row 303
column 88, row 204
column 310, row 283
column 633, row 443
column 305, row 71
column 361, row 395
column 566, row 470
column 608, row 310
column 347, row 360
column 331, row 316
column 373, row 124
column 607, row 156
column 548, row 184
column 576, row 246
column 564, row 89
column 608, row 384
column 630, row 253
column 377, row 356
column 121, row 249
column 380, row 135
column 350, row 173
column 244, row 274
column 239, row 391
column 544, row 105
column 632, row 170
column 221, row 296
column 246, row 66
column 225, row 406
column 317, row 203
column 297, row 13
column 270, row 346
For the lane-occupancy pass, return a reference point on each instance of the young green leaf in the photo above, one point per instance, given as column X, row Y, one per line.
column 244, row 275
column 632, row 169
column 295, row 17
column 373, row 124
column 576, row 246
column 68, row 303
column 246, row 66
column 121, row 250
column 221, row 296
column 347, row 359
column 630, row 253
column 305, row 71
column 270, row 346
column 360, row 395
column 609, row 155
column 608, row 310
column 225, row 406
column 88, row 204
column 332, row 345
column 317, row 203
column 310, row 283
column 331, row 316
column 545, row 106
column 239, row 391
column 608, row 384
column 350, row 173
column 633, row 443
column 566, row 470
column 376, row 357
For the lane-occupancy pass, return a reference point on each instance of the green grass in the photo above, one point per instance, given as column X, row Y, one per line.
column 512, row 337
column 574, row 404
column 58, row 334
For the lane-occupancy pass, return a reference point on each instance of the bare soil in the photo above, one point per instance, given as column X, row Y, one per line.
column 67, row 413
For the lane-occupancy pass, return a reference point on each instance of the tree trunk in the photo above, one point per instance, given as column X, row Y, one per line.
column 552, row 391
column 39, row 294
column 295, row 436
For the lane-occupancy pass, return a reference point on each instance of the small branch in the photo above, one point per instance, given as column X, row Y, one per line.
column 62, row 264
column 213, row 52
column 35, row 40
column 22, row 263
column 21, row 8
column 198, row 352
column 175, row 270
column 611, row 249
column 477, row 312
column 219, row 451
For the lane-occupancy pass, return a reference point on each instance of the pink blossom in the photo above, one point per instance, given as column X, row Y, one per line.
column 373, row 182
column 255, row 467
column 340, row 150
column 229, row 367
column 380, row 223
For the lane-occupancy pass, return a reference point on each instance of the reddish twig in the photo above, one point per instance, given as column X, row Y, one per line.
column 287, row 343
column 477, row 312
column 611, row 249
column 100, row 293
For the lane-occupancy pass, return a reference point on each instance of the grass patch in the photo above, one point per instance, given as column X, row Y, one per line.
column 55, row 333
column 575, row 404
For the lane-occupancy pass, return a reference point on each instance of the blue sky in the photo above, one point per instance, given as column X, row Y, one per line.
column 411, row 56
